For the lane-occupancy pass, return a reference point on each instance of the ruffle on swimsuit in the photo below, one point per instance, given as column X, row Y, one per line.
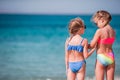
column 78, row 48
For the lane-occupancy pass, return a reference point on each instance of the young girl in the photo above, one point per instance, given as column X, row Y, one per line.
column 76, row 51
column 104, row 38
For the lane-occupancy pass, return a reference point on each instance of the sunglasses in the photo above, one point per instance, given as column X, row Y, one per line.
column 95, row 23
column 84, row 26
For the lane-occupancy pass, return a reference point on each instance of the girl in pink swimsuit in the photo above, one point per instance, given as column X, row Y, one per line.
column 104, row 39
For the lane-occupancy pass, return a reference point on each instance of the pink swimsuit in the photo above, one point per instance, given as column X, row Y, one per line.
column 106, row 41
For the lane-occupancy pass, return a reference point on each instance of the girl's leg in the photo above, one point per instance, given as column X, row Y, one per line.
column 71, row 75
column 81, row 73
column 110, row 72
column 99, row 71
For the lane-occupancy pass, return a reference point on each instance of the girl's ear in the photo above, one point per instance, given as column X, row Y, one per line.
column 103, row 20
column 80, row 29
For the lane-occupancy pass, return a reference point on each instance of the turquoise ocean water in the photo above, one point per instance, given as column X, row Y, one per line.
column 32, row 46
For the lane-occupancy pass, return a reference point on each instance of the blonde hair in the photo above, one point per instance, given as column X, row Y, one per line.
column 75, row 25
column 102, row 14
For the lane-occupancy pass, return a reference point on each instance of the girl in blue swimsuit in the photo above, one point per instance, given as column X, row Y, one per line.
column 76, row 51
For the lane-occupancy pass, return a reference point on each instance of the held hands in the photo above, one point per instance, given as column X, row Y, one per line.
column 88, row 51
column 89, row 47
column 92, row 49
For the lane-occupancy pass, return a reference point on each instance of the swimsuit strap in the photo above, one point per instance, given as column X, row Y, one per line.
column 81, row 41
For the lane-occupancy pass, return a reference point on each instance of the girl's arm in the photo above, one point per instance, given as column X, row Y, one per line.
column 85, row 51
column 95, row 39
column 66, row 55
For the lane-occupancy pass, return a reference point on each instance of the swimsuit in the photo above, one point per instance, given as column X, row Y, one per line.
column 76, row 66
column 106, row 41
column 78, row 48
column 106, row 59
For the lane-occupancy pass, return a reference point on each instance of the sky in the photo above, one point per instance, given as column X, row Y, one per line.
column 58, row 6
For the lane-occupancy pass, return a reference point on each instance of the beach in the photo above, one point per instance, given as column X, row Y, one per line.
column 32, row 46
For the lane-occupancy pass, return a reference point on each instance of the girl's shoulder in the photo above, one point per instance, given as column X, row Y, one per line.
column 67, row 40
column 99, row 30
column 85, row 41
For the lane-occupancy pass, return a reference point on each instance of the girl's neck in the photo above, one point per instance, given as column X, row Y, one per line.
column 107, row 26
column 75, row 35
